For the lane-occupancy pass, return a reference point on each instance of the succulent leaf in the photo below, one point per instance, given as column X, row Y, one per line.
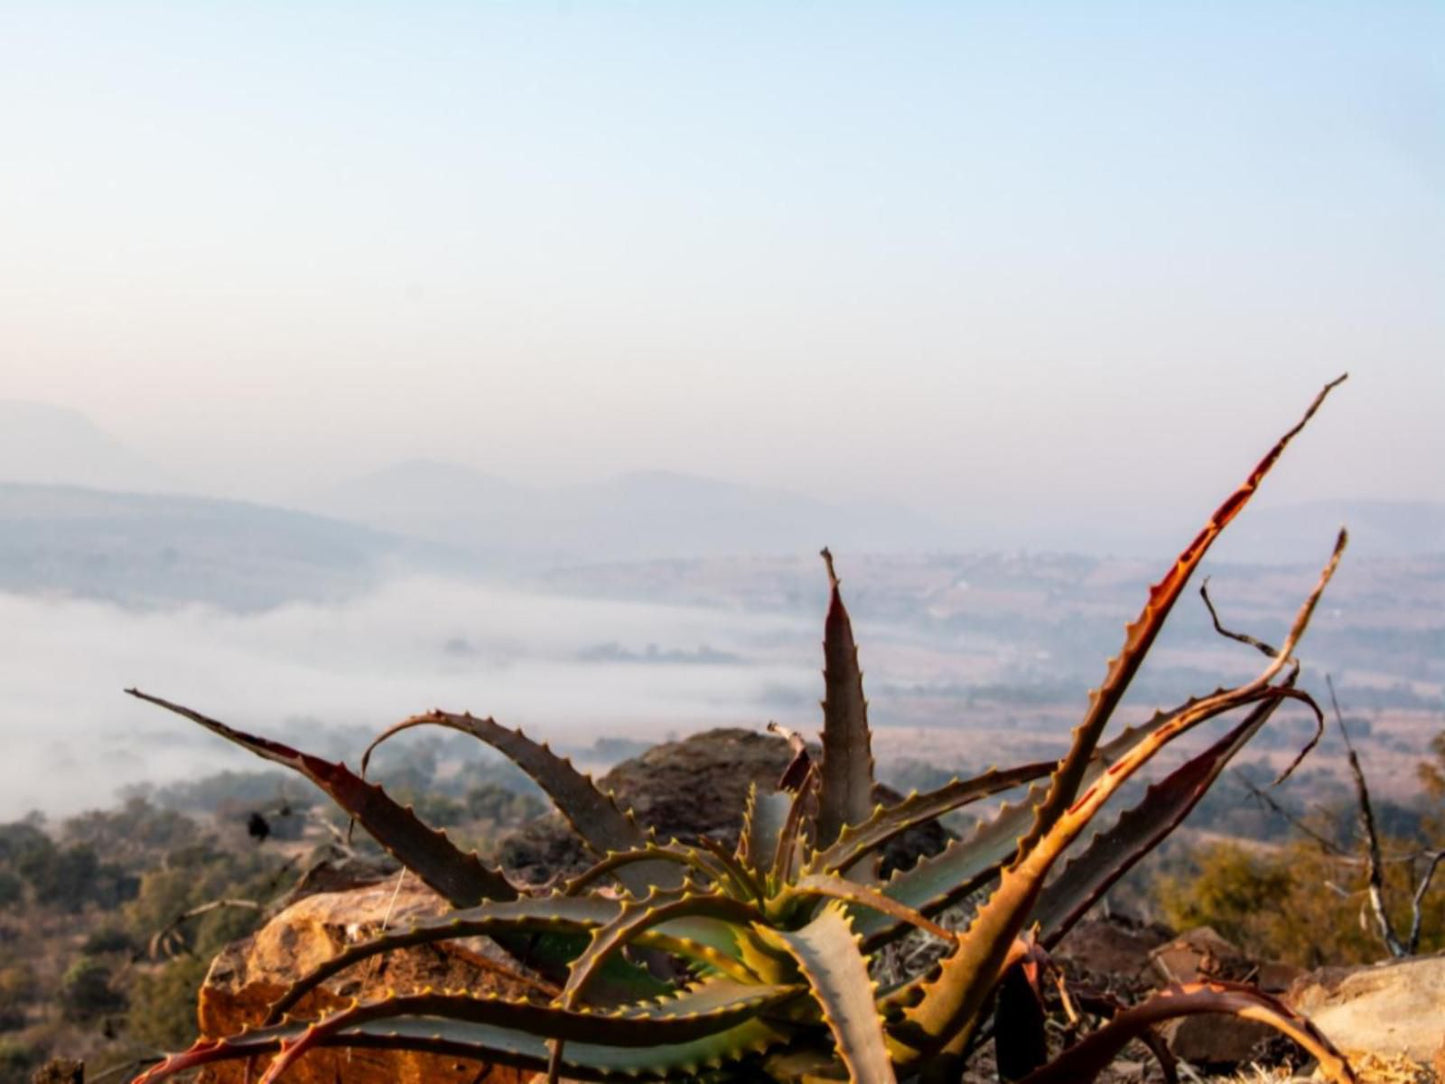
column 862, row 896
column 592, row 814
column 951, row 1001
column 529, row 915
column 889, row 822
column 458, row 875
column 494, row 1044
column 764, row 819
column 694, row 1013
column 964, row 866
column 1112, row 853
column 828, row 956
column 846, row 794
column 1141, row 633
column 695, row 859
column 637, row 917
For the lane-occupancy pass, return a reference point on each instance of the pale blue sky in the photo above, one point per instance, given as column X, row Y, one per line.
column 975, row 256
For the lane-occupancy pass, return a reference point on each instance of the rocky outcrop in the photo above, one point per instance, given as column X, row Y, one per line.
column 251, row 974
column 688, row 789
column 1389, row 1011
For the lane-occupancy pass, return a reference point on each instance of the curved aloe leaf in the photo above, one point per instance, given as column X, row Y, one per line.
column 744, row 878
column 953, row 997
column 846, row 794
column 1085, row 1060
column 1114, row 852
column 696, row 859
column 837, row 888
column 1141, row 633
column 543, row 915
column 692, row 1014
column 496, row 1044
column 592, row 814
column 889, row 822
column 828, row 956
column 637, row 917
column 458, row 875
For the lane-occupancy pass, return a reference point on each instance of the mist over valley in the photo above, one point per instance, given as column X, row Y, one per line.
column 633, row 609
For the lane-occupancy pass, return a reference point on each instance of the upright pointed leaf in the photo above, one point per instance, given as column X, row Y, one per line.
column 458, row 875
column 764, row 819
column 1141, row 633
column 846, row 796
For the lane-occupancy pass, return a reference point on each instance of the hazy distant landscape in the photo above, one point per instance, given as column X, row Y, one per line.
column 652, row 605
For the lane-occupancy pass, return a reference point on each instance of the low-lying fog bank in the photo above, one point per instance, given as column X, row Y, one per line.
column 567, row 669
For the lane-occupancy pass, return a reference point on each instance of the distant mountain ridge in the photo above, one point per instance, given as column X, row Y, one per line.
column 152, row 550
column 42, row 444
column 637, row 516
column 81, row 513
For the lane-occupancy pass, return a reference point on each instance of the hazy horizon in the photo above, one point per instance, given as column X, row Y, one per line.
column 1028, row 265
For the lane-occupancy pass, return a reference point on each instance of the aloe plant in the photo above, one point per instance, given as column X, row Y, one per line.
column 771, row 942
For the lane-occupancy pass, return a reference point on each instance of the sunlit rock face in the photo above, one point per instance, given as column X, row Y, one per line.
column 251, row 974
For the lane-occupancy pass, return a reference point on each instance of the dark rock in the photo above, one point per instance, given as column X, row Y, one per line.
column 1112, row 955
column 690, row 788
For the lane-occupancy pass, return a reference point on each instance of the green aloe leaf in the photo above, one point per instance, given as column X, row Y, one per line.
column 829, row 886
column 592, row 814
column 496, row 1044
column 691, row 1014
column 636, row 917
column 764, row 819
column 828, row 956
column 887, row 823
column 542, row 915
column 697, row 859
column 458, row 875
